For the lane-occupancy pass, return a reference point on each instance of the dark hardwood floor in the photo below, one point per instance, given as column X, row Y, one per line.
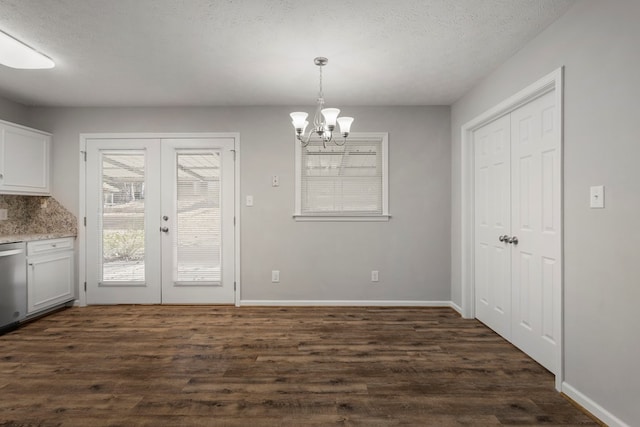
column 226, row 366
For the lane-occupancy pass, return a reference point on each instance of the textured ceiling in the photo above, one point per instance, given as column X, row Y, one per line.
column 260, row 52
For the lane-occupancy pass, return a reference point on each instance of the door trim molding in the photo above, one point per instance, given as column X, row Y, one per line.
column 552, row 81
column 82, row 212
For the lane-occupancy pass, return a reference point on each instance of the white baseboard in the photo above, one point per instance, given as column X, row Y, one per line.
column 345, row 303
column 596, row 410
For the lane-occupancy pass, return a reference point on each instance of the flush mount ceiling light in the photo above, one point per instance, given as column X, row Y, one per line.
column 15, row 54
column 324, row 120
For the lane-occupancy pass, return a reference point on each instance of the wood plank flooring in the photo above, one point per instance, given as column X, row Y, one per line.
column 268, row 366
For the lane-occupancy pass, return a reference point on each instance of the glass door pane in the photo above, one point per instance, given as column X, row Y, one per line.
column 122, row 224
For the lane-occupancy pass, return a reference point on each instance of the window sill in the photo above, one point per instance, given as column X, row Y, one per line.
column 343, row 218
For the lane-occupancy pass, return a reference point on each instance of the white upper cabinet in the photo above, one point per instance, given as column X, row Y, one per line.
column 24, row 160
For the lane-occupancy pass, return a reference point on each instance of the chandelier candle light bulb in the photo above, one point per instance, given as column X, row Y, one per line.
column 324, row 120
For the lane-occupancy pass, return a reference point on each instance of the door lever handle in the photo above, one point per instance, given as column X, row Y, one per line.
column 164, row 229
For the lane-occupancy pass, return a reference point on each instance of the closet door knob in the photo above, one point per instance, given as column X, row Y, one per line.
column 504, row 238
column 513, row 240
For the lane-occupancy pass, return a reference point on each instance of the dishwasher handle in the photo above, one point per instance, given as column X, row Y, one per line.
column 11, row 252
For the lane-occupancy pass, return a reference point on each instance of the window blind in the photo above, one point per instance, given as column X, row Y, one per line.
column 198, row 222
column 342, row 180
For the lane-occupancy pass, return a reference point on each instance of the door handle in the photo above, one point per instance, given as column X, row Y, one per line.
column 11, row 252
column 504, row 238
column 513, row 240
column 164, row 229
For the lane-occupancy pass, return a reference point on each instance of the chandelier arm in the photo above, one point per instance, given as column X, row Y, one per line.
column 344, row 141
column 304, row 141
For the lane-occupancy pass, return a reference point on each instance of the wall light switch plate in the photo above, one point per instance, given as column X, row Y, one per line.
column 275, row 276
column 4, row 215
column 249, row 201
column 596, row 197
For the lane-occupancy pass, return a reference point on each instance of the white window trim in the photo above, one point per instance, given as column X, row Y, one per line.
column 299, row 216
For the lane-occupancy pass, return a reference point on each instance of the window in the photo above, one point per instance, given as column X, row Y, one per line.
column 343, row 183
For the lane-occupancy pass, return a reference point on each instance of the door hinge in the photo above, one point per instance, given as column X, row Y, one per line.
column 234, row 286
column 234, row 154
column 234, row 221
column 84, row 155
column 85, row 286
column 85, row 221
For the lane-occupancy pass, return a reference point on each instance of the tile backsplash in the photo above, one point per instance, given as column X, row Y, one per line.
column 35, row 214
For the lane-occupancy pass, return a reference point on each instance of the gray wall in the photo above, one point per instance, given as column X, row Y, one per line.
column 14, row 112
column 597, row 42
column 317, row 261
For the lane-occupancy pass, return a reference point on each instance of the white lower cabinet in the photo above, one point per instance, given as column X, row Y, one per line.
column 50, row 273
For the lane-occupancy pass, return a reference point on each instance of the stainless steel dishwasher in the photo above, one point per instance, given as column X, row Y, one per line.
column 13, row 285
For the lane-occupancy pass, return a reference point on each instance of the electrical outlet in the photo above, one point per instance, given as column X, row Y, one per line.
column 374, row 276
column 275, row 181
column 275, row 276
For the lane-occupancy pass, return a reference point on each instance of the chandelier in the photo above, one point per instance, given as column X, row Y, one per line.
column 324, row 120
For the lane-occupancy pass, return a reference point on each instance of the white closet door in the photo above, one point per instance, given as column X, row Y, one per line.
column 517, row 196
column 536, row 198
column 492, row 219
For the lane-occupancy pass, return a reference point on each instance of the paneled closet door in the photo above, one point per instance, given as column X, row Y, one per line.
column 517, row 247
column 493, row 221
column 536, row 197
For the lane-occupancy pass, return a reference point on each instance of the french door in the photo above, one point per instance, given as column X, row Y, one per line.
column 517, row 249
column 160, row 221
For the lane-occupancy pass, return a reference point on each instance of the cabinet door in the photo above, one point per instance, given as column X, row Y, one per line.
column 24, row 161
column 49, row 280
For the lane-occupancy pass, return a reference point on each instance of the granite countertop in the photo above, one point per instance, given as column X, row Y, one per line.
column 34, row 236
column 30, row 218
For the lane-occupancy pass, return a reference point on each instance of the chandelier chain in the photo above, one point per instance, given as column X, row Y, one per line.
column 320, row 94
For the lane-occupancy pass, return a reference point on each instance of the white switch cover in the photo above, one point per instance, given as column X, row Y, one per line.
column 596, row 198
column 249, row 201
column 275, row 181
column 275, row 276
column 374, row 275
